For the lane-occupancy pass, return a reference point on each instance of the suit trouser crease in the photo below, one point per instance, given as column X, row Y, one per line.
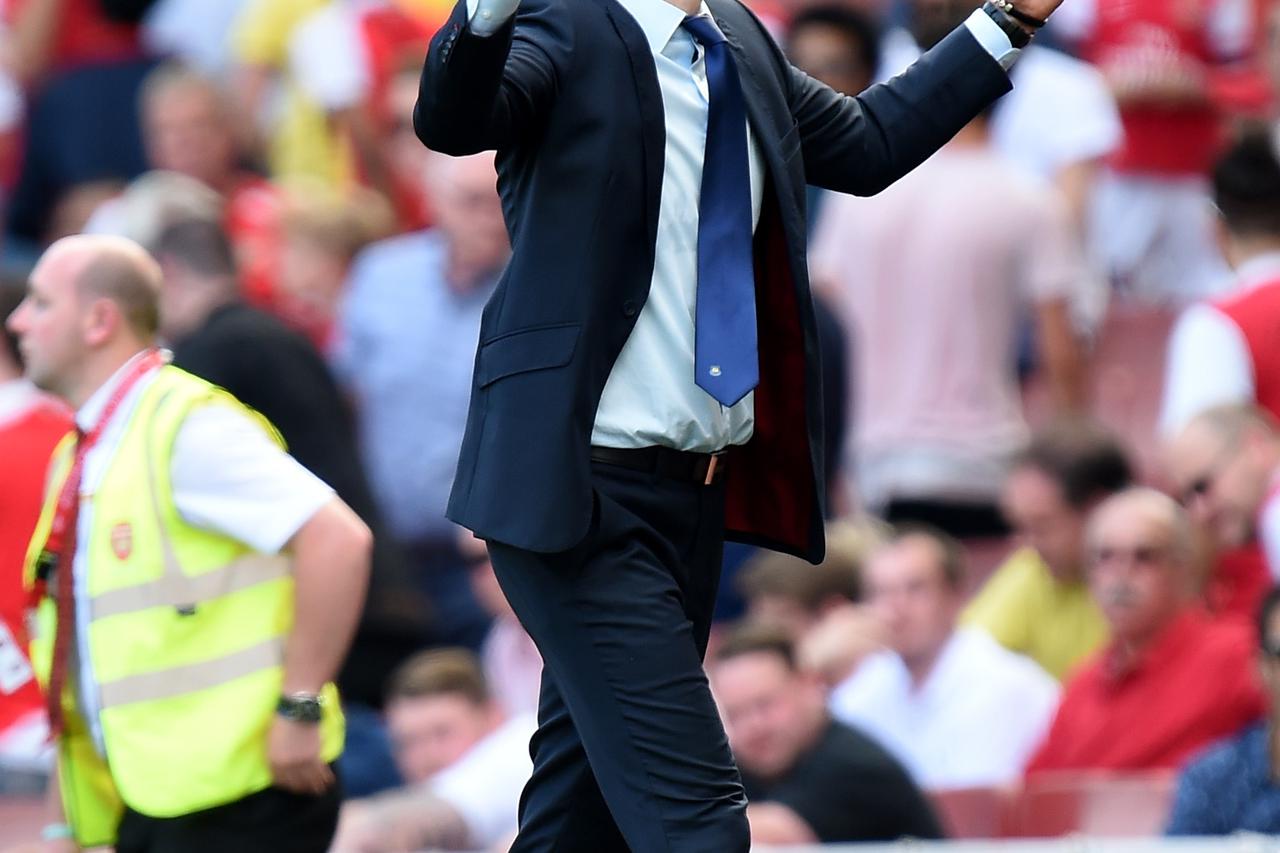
column 629, row 744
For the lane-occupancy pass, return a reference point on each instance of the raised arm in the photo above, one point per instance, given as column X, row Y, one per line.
column 862, row 145
column 488, row 91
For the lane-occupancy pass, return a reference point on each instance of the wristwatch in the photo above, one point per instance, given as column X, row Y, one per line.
column 300, row 707
column 1018, row 36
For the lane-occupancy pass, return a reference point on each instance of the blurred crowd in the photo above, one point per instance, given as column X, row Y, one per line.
column 1051, row 361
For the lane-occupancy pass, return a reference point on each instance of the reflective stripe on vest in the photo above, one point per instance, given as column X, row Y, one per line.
column 176, row 589
column 167, row 683
column 181, row 591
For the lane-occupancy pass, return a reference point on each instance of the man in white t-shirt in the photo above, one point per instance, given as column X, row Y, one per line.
column 1226, row 466
column 1059, row 123
column 935, row 284
column 954, row 706
column 464, row 761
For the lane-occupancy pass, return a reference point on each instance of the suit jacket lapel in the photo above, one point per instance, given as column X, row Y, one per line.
column 653, row 138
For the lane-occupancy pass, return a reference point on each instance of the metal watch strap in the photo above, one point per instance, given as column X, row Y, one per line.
column 1018, row 36
column 1017, row 14
column 300, row 707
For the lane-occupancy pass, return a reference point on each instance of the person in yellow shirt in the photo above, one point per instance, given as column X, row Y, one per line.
column 301, row 142
column 1037, row 602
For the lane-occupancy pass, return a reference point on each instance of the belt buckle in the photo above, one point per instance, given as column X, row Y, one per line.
column 711, row 469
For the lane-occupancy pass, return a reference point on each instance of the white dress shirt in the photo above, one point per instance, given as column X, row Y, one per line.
column 975, row 720
column 650, row 397
column 226, row 474
column 1208, row 362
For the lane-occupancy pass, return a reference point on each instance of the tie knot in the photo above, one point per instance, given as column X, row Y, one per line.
column 703, row 30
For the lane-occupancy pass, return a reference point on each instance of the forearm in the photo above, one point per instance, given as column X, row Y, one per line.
column 331, row 556
column 1062, row 356
column 862, row 145
column 1076, row 181
column 31, row 39
column 460, row 84
column 492, row 90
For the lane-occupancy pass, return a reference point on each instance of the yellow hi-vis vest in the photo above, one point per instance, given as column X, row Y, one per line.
column 186, row 636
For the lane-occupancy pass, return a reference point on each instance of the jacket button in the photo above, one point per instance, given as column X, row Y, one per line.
column 629, row 308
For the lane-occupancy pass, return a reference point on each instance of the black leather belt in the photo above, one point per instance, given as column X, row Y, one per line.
column 703, row 468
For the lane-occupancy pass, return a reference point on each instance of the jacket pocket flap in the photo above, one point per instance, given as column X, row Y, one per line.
column 525, row 350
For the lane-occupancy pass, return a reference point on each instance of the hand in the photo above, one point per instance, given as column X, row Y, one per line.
column 835, row 646
column 293, row 751
column 1041, row 9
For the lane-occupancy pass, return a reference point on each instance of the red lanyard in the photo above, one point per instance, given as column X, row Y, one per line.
column 69, row 498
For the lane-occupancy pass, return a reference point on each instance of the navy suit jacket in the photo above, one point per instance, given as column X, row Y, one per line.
column 567, row 94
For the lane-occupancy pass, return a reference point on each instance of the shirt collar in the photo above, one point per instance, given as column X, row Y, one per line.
column 88, row 414
column 1259, row 269
column 658, row 19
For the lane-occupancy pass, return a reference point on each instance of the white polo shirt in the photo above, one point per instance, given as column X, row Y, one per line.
column 227, row 475
column 974, row 721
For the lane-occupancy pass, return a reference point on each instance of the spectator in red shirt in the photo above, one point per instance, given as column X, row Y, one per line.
column 31, row 424
column 1170, row 64
column 1226, row 464
column 1170, row 681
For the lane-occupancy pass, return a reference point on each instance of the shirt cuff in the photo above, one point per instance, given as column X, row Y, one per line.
column 986, row 31
column 486, row 17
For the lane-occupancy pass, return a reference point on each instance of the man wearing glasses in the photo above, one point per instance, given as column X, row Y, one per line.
column 1223, row 351
column 1226, row 464
column 1171, row 680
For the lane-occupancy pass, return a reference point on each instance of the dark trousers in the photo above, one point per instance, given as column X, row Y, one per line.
column 630, row 753
column 270, row 821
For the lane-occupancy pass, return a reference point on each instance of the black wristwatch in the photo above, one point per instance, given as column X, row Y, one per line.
column 1018, row 36
column 300, row 707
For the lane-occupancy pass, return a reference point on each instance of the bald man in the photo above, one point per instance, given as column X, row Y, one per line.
column 1226, row 465
column 196, row 598
column 1170, row 681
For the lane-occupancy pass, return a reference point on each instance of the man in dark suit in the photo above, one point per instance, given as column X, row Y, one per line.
column 647, row 381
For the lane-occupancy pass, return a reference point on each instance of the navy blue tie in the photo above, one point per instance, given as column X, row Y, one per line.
column 726, row 364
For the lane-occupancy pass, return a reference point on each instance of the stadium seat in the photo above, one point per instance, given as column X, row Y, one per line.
column 1092, row 803
column 971, row 812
